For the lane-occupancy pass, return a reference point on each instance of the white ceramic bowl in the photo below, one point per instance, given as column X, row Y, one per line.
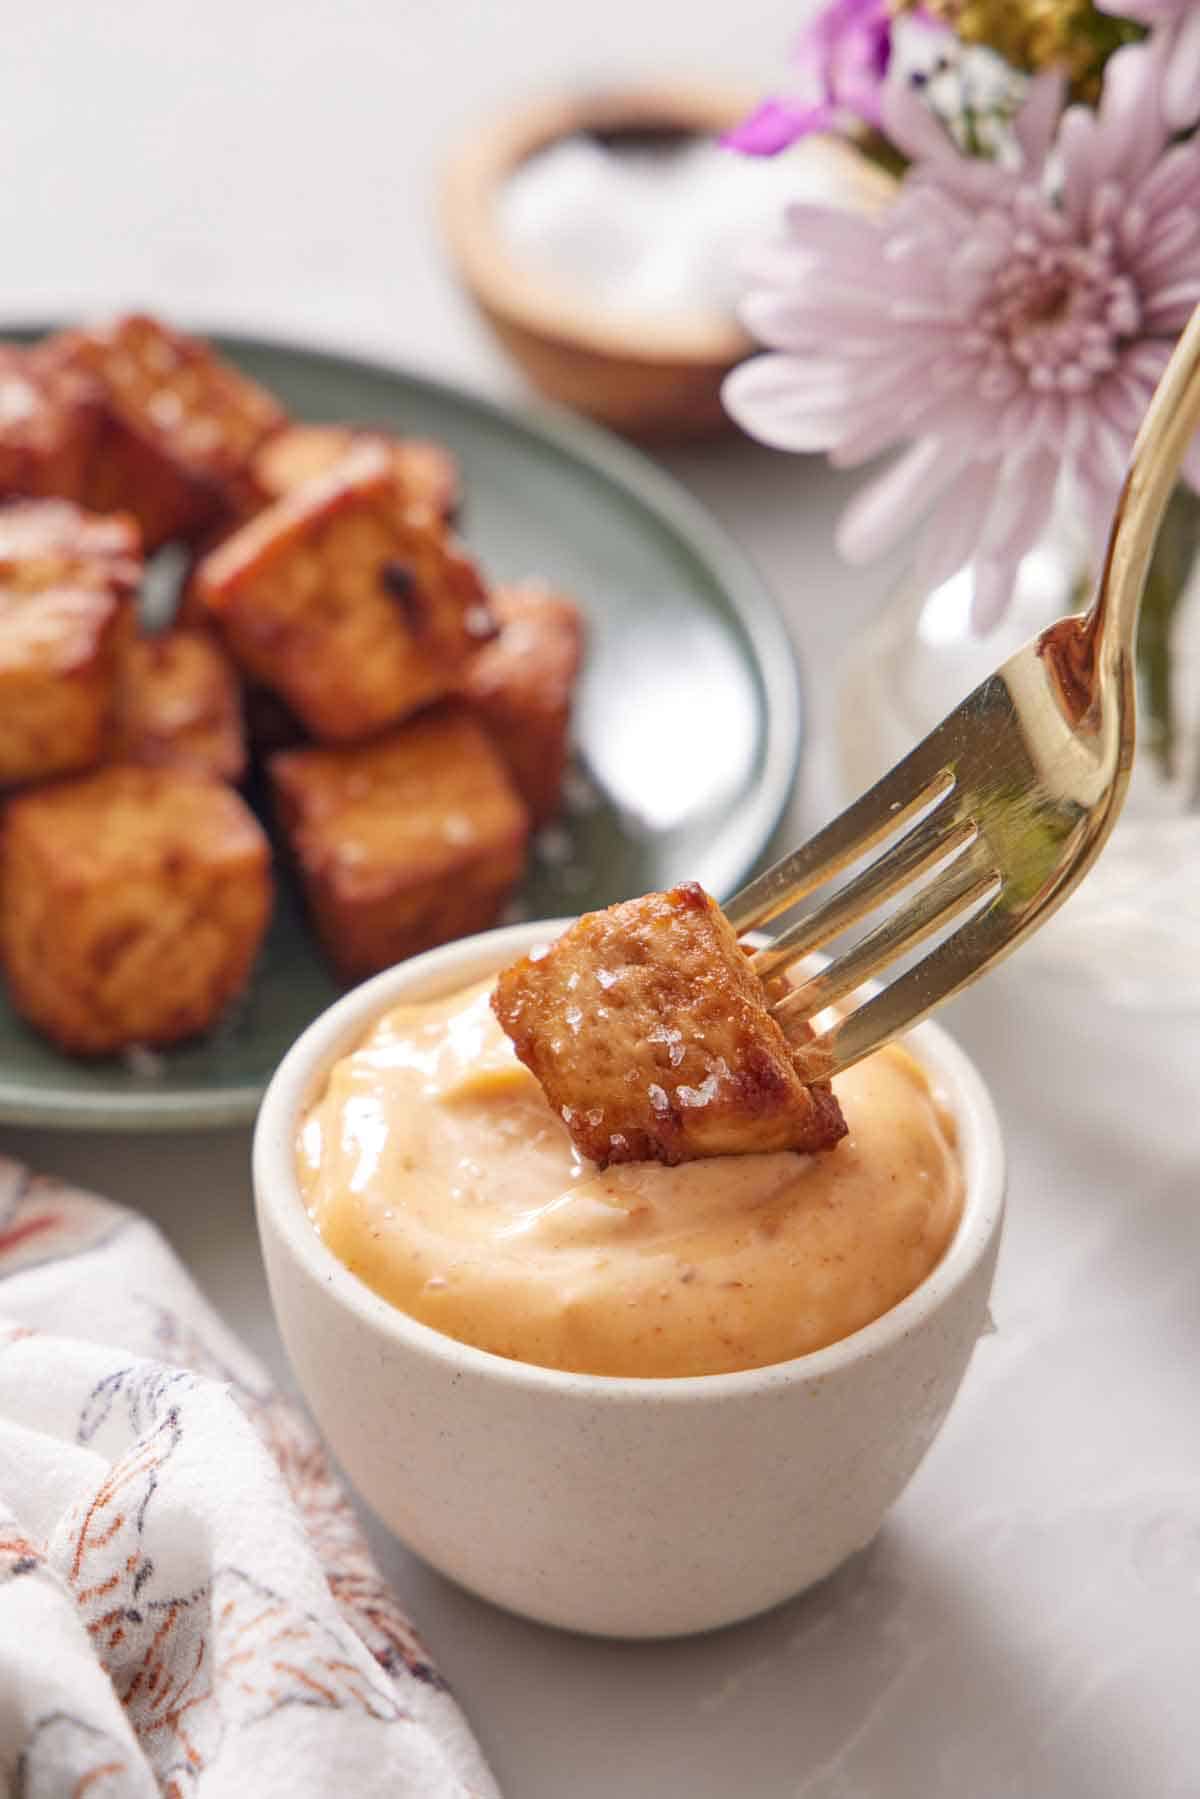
column 635, row 1508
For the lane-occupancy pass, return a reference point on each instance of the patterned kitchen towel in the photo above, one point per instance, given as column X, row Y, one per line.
column 187, row 1606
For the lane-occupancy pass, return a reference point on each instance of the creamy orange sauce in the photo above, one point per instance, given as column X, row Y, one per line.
column 433, row 1166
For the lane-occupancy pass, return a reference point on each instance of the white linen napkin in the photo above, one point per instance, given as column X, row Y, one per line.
column 187, row 1606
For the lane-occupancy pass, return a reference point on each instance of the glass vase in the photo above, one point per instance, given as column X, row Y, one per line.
column 1133, row 927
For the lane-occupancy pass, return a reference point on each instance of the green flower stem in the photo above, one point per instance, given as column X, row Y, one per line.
column 1171, row 567
column 875, row 148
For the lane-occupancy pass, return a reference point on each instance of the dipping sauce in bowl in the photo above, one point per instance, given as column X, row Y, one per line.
column 620, row 1505
column 433, row 1167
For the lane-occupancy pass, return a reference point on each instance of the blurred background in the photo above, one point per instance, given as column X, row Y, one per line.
column 266, row 165
column 274, row 169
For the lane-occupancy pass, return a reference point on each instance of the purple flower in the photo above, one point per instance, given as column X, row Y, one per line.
column 842, row 58
column 1005, row 325
column 1176, row 28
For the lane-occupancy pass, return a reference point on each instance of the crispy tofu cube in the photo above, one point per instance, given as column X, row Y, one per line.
column 66, row 585
column 402, row 843
column 44, row 541
column 47, row 426
column 132, row 905
column 519, row 686
column 178, row 425
column 59, row 654
column 268, row 722
column 425, row 473
column 426, row 476
column 354, row 610
column 650, row 1035
column 179, row 706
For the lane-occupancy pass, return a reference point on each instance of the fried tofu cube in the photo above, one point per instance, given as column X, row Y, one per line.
column 650, row 1035
column 47, row 427
column 268, row 722
column 519, row 686
column 44, row 541
column 179, row 706
column 59, row 655
column 66, row 585
column 178, row 424
column 354, row 610
column 402, row 843
column 132, row 905
column 426, row 474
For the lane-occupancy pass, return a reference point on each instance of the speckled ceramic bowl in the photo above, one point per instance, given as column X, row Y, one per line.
column 636, row 1508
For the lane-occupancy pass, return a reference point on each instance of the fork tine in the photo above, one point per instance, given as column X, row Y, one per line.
column 973, row 878
column 974, row 948
column 933, row 841
column 904, row 792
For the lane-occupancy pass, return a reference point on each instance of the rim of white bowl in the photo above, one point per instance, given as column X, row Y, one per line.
column 301, row 1074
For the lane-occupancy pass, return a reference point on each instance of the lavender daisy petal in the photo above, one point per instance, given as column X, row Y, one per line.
column 1175, row 36
column 1035, row 124
column 841, row 63
column 1181, row 78
column 775, row 125
column 992, row 592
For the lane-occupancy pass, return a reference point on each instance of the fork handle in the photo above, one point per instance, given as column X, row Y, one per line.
column 1171, row 420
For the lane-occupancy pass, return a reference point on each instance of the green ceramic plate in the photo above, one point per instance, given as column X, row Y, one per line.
column 688, row 725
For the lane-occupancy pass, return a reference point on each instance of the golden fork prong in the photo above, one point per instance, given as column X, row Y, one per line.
column 861, row 828
column 926, row 847
column 967, row 886
column 891, row 1009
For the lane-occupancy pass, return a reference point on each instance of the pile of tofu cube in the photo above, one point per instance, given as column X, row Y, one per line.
column 332, row 639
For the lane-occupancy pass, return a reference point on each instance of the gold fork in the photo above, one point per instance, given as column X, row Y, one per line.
column 983, row 830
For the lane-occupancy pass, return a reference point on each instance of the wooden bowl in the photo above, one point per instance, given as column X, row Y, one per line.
column 652, row 376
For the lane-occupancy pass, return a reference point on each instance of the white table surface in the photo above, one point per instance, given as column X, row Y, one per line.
column 1028, row 1622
